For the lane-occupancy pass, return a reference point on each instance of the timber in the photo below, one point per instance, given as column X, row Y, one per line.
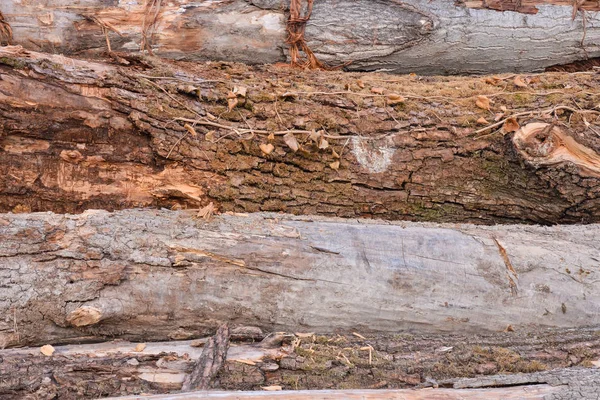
column 423, row 36
column 498, row 366
column 77, row 135
column 148, row 275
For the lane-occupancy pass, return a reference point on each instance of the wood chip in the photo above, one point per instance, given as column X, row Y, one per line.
column 358, row 335
column 139, row 347
column 273, row 388
column 247, row 362
column 47, row 350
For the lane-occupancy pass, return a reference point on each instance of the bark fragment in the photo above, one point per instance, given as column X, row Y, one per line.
column 210, row 362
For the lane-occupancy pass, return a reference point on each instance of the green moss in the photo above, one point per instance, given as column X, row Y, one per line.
column 11, row 62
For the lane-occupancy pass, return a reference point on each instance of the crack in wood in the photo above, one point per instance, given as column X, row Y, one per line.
column 510, row 271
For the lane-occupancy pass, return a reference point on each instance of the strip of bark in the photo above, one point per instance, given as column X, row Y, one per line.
column 210, row 362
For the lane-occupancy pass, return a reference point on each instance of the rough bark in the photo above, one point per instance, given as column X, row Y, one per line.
column 209, row 363
column 424, row 36
column 499, row 366
column 157, row 275
column 76, row 135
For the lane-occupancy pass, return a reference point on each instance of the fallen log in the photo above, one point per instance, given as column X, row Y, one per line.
column 431, row 37
column 76, row 135
column 160, row 275
column 497, row 366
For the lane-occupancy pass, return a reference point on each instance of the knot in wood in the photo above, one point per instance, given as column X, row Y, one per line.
column 540, row 144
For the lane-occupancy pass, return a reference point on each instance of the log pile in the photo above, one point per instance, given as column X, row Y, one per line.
column 184, row 226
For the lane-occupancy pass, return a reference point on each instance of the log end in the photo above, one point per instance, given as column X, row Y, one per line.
column 84, row 316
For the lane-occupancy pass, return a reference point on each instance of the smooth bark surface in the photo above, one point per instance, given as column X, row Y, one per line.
column 433, row 37
column 76, row 135
column 156, row 275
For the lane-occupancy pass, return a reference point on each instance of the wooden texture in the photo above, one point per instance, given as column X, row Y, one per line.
column 76, row 135
column 155, row 275
column 422, row 36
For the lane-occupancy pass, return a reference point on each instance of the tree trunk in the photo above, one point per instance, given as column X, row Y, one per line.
column 159, row 275
column 77, row 135
column 429, row 37
column 499, row 366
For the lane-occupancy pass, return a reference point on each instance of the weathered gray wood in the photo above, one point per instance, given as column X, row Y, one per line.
column 537, row 392
column 422, row 36
column 162, row 274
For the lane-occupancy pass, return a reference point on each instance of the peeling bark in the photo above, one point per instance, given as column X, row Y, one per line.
column 546, row 366
column 159, row 275
column 433, row 37
column 76, row 135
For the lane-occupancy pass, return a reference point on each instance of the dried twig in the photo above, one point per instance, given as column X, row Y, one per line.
column 548, row 111
column 149, row 24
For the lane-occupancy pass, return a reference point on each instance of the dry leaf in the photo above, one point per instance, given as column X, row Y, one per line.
column 596, row 363
column 210, row 136
column 511, row 125
column 394, row 99
column 271, row 136
column 267, row 148
column 323, row 144
column 509, row 328
column 482, row 121
column 291, row 142
column 232, row 101
column 335, row 165
column 191, row 130
column 360, row 84
column 141, row 346
column 47, row 350
column 492, row 80
column 334, row 153
column 377, row 90
column 315, row 136
column 206, row 212
column 483, row 102
column 240, row 91
column 503, row 108
column 498, row 117
column 272, row 388
column 519, row 82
